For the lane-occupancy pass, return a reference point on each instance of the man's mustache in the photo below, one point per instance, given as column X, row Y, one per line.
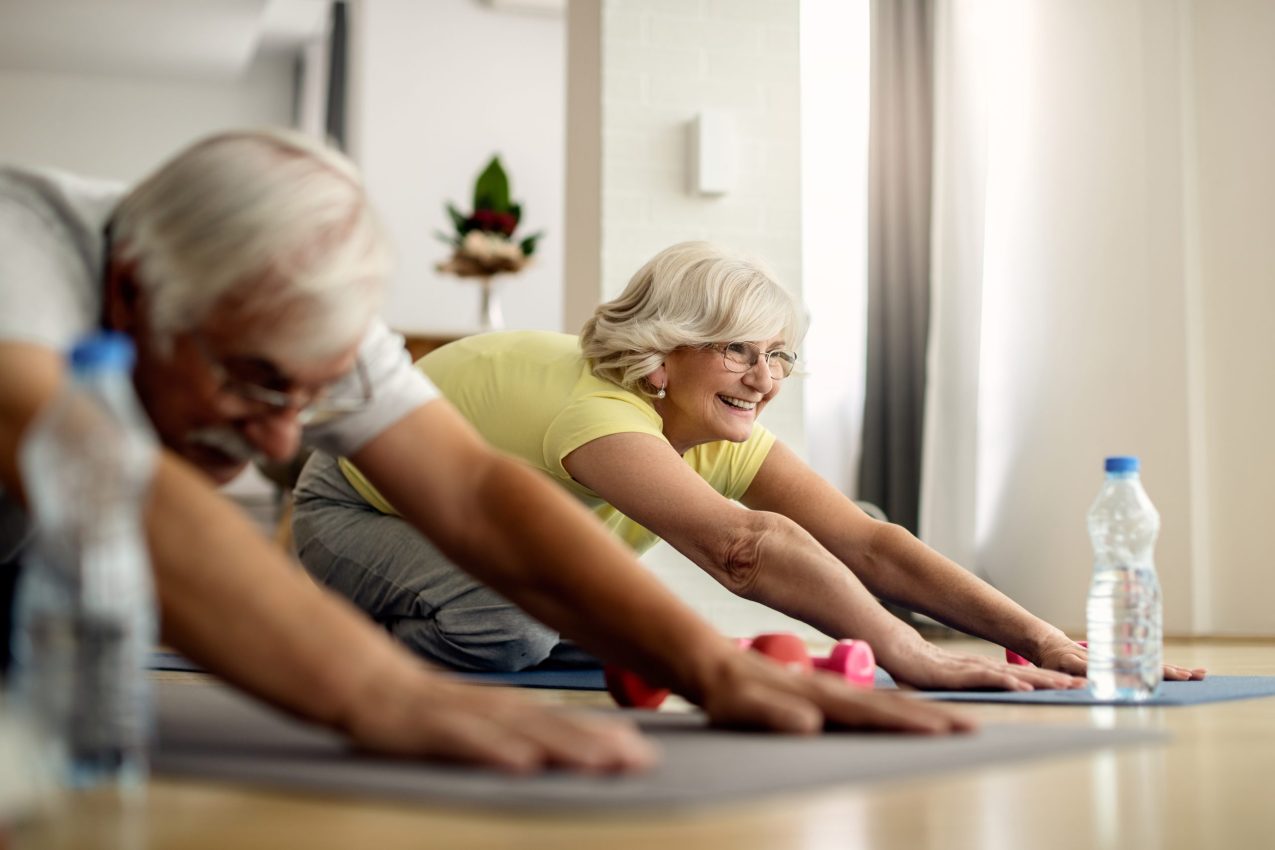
column 226, row 440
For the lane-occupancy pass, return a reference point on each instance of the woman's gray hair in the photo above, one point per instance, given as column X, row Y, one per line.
column 690, row 294
column 272, row 219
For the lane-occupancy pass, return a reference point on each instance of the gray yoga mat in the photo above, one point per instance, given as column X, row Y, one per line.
column 562, row 679
column 208, row 731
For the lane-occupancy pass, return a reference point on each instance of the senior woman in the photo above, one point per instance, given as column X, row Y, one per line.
column 650, row 419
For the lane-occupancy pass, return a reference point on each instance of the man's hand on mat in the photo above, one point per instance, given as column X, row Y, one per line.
column 439, row 719
column 936, row 669
column 747, row 690
column 1071, row 657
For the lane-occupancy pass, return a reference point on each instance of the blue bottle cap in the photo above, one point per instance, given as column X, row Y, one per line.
column 103, row 350
column 1122, row 463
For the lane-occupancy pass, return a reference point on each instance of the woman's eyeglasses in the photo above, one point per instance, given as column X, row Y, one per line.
column 742, row 356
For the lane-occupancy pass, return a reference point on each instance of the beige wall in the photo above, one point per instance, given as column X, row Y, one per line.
column 1127, row 283
column 120, row 127
column 1234, row 77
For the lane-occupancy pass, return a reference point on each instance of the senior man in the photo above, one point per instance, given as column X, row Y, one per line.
column 248, row 270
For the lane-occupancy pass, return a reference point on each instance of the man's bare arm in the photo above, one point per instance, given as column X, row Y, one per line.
column 235, row 603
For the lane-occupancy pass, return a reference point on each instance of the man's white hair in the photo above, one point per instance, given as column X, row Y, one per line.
column 689, row 294
column 272, row 222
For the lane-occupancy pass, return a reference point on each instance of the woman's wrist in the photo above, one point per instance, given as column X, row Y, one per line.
column 1040, row 640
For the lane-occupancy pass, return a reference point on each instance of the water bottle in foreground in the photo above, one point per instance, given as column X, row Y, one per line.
column 85, row 608
column 1125, row 638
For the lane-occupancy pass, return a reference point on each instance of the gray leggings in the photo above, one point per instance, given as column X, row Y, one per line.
column 387, row 568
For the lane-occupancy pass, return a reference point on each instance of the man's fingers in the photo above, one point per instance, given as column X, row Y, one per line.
column 496, row 728
column 896, row 713
column 756, row 706
column 590, row 744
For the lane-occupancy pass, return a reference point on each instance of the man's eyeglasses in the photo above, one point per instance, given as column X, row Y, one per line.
column 347, row 394
column 742, row 356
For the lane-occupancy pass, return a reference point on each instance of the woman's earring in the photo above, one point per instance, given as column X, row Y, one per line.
column 660, row 393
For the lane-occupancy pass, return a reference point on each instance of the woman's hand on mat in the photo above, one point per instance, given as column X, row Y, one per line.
column 442, row 720
column 748, row 690
column 1070, row 657
column 933, row 668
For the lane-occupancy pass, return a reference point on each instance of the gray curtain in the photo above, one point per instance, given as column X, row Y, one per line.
column 338, row 74
column 900, row 141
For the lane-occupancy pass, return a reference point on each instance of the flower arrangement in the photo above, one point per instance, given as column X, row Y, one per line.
column 483, row 243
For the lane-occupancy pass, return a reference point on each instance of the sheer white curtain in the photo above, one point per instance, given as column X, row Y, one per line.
column 1062, row 279
column 834, row 163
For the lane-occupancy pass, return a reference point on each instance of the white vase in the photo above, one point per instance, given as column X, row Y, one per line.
column 490, row 316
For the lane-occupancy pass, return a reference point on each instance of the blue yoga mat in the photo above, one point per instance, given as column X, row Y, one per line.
column 1211, row 689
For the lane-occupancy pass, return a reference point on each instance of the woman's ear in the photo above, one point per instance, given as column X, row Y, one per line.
column 122, row 298
column 657, row 380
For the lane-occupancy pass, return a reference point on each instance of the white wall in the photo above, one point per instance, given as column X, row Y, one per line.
column 120, row 127
column 437, row 88
column 659, row 64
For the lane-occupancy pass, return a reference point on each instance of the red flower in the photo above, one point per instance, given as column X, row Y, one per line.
column 493, row 221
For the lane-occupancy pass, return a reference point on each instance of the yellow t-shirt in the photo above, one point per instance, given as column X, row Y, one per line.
column 532, row 395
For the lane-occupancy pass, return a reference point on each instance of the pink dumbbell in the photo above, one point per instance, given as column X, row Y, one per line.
column 1014, row 658
column 852, row 660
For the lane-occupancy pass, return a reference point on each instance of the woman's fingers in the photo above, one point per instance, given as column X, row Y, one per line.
column 1173, row 673
column 1042, row 679
column 940, row 669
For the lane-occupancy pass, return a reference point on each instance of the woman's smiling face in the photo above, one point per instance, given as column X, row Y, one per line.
column 705, row 401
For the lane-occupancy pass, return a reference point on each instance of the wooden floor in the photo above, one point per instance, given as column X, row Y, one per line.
column 1212, row 786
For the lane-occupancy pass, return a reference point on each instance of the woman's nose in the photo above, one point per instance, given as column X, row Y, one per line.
column 758, row 375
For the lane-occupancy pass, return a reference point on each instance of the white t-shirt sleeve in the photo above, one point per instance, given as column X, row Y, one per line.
column 397, row 389
column 46, row 296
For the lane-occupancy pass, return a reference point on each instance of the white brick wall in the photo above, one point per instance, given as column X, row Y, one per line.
column 661, row 62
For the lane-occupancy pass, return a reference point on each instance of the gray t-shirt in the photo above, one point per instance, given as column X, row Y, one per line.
column 51, row 270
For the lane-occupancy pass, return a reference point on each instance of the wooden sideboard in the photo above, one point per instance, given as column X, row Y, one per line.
column 418, row 345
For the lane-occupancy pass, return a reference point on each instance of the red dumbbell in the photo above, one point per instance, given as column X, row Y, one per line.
column 852, row 660
column 629, row 690
column 1014, row 658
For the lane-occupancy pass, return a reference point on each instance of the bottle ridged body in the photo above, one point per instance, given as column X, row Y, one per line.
column 1124, row 610
column 84, row 611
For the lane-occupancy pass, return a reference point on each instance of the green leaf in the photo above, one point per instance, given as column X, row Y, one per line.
column 516, row 211
column 458, row 219
column 528, row 245
column 491, row 191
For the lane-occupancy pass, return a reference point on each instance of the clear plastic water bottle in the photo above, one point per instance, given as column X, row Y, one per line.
column 1124, row 612
column 85, row 606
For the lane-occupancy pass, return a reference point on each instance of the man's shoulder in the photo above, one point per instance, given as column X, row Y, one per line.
column 61, row 194
column 51, row 248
